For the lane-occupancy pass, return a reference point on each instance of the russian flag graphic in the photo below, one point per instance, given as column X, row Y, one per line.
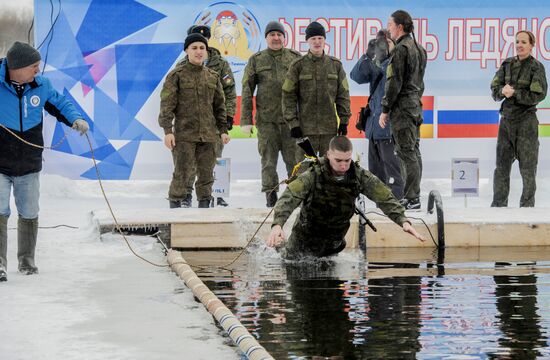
column 426, row 129
column 467, row 117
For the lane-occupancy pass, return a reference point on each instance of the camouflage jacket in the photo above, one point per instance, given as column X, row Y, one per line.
column 315, row 94
column 266, row 69
column 405, row 83
column 328, row 203
column 192, row 104
column 528, row 79
column 218, row 63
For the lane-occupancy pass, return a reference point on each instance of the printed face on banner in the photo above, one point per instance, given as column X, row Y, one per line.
column 234, row 28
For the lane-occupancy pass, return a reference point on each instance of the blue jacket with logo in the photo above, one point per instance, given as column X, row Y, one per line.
column 23, row 116
column 366, row 71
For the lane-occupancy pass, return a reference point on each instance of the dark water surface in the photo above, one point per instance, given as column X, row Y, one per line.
column 476, row 304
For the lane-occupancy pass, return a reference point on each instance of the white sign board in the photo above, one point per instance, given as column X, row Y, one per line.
column 465, row 177
column 222, row 177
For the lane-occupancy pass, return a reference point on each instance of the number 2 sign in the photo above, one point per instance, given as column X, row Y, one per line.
column 465, row 177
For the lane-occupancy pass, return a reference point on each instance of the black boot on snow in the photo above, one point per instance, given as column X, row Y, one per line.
column 3, row 275
column 27, row 231
column 221, row 202
column 205, row 203
column 186, row 202
column 174, row 204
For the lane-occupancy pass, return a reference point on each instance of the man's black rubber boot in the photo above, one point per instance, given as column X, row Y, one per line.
column 27, row 231
column 3, row 247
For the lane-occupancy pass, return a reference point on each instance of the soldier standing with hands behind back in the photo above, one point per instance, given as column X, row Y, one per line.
column 266, row 70
column 316, row 94
column 521, row 82
column 192, row 114
column 402, row 102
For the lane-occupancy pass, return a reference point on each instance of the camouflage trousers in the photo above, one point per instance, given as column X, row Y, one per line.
column 308, row 242
column 188, row 158
column 218, row 148
column 407, row 146
column 517, row 139
column 274, row 139
column 320, row 145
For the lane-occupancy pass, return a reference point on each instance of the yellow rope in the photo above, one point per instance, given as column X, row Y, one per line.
column 35, row 145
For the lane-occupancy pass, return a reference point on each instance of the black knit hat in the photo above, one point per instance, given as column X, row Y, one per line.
column 274, row 26
column 199, row 29
column 194, row 37
column 315, row 29
column 21, row 55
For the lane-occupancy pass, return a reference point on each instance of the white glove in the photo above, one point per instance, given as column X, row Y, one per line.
column 81, row 126
column 246, row 129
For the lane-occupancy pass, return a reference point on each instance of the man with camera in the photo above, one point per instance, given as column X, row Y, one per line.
column 371, row 69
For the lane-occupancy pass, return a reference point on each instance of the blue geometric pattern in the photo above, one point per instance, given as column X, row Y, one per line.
column 140, row 68
column 96, row 40
column 108, row 21
column 117, row 166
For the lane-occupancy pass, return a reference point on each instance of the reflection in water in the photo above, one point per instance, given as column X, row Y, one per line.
column 516, row 298
column 331, row 309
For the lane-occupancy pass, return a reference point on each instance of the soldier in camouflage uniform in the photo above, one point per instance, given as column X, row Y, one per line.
column 192, row 114
column 266, row 70
column 216, row 62
column 521, row 82
column 402, row 102
column 316, row 94
column 327, row 193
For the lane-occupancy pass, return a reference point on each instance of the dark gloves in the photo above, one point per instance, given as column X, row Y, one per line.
column 229, row 122
column 343, row 129
column 296, row 132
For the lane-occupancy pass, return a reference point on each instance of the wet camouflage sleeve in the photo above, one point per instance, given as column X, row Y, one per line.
column 537, row 89
column 228, row 83
column 249, row 85
column 218, row 108
column 290, row 97
column 168, row 102
column 296, row 192
column 498, row 83
column 377, row 191
column 342, row 97
column 394, row 78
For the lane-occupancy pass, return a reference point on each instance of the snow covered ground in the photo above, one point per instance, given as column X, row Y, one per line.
column 94, row 300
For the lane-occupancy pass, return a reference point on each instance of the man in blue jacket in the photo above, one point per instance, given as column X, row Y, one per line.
column 23, row 96
column 371, row 69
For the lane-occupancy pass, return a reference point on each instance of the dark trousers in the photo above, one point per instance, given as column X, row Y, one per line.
column 516, row 140
column 407, row 145
column 385, row 165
